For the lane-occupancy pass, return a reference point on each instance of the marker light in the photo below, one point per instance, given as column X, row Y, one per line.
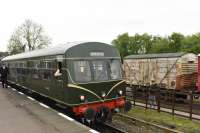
column 120, row 92
column 82, row 97
column 103, row 94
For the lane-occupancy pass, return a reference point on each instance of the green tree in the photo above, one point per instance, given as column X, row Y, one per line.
column 28, row 36
column 191, row 44
column 160, row 45
column 137, row 44
column 122, row 43
column 145, row 43
column 175, row 42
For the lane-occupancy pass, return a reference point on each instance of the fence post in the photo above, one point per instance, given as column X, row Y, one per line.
column 133, row 93
column 146, row 98
column 173, row 101
column 159, row 100
column 191, row 103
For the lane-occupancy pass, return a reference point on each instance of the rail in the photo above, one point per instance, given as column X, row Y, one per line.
column 108, row 128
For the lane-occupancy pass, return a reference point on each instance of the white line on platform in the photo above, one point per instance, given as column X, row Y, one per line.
column 21, row 93
column 93, row 131
column 31, row 98
column 44, row 105
column 66, row 117
column 24, row 87
column 61, row 114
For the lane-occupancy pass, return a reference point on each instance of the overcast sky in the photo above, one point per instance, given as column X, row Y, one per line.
column 99, row 20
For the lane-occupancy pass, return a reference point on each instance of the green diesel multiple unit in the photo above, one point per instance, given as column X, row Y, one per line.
column 85, row 76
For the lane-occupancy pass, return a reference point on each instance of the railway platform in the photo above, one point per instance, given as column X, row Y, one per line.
column 22, row 114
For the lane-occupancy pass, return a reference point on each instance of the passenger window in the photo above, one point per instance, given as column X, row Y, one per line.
column 59, row 69
column 46, row 64
column 60, row 66
column 46, row 74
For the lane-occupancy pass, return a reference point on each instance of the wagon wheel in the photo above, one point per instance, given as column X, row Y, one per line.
column 196, row 97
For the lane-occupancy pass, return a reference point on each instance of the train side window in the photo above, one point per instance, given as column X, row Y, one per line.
column 46, row 74
column 59, row 69
column 46, row 64
column 60, row 66
column 35, row 69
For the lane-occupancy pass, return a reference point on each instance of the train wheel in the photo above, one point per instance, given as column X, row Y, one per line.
column 102, row 114
column 89, row 114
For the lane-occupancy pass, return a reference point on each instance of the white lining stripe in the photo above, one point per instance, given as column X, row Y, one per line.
column 13, row 89
column 21, row 93
column 44, row 105
column 66, row 117
column 93, row 131
column 31, row 98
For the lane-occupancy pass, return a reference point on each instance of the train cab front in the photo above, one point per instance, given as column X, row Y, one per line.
column 102, row 105
column 98, row 88
column 95, row 88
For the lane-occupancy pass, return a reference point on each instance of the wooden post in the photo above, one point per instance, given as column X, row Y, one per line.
column 173, row 101
column 191, row 103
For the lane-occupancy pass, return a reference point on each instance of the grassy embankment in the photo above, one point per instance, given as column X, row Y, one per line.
column 165, row 119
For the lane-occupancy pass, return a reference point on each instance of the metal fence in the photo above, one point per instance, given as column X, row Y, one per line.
column 186, row 104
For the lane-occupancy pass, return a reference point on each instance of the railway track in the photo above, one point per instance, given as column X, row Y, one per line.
column 44, row 101
column 108, row 128
column 161, row 128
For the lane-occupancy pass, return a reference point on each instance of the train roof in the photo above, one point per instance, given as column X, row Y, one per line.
column 161, row 55
column 55, row 50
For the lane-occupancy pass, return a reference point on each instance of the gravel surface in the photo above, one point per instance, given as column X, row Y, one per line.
column 131, row 126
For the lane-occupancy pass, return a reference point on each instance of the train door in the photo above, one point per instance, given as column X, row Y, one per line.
column 58, row 89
